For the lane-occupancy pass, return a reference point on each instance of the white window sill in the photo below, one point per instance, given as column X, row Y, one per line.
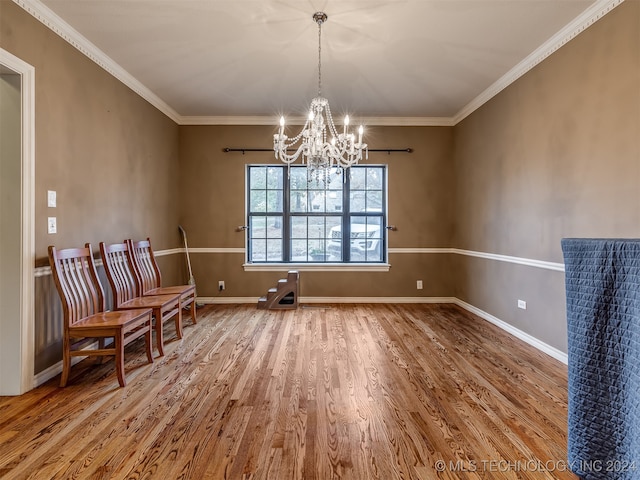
column 317, row 267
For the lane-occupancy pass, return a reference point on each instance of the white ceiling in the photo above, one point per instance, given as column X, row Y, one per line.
column 380, row 58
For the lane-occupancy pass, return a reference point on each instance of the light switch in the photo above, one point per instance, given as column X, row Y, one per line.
column 51, row 198
column 51, row 225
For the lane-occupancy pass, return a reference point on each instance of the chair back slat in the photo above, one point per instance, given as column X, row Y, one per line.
column 118, row 266
column 77, row 282
column 146, row 268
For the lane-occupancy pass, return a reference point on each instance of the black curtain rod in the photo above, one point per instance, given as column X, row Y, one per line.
column 388, row 150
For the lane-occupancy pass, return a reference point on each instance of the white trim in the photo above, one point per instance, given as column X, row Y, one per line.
column 226, row 300
column 316, row 267
column 169, row 251
column 216, row 250
column 316, row 300
column 354, row 267
column 51, row 20
column 420, row 250
column 516, row 332
column 28, row 98
column 46, row 269
column 567, row 33
column 55, row 369
column 562, row 37
column 530, row 262
column 559, row 267
column 272, row 120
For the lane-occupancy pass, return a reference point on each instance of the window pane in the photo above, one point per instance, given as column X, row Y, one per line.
column 274, row 227
column 374, row 201
column 258, row 201
column 274, row 250
column 358, row 179
column 334, row 201
column 258, row 250
column 317, row 201
column 274, row 201
column 274, row 178
column 366, row 235
column 298, row 227
column 374, row 178
column 316, row 227
column 299, row 250
column 257, row 227
column 317, row 252
column 258, row 178
column 298, row 178
column 357, row 201
column 298, row 201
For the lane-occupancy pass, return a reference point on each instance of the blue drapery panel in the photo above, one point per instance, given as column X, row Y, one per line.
column 602, row 279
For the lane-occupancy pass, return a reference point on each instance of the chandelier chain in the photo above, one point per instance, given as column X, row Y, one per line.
column 319, row 57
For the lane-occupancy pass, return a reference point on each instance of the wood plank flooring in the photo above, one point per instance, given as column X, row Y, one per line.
column 321, row 392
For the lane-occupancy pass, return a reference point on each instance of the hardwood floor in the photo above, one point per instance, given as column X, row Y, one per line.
column 321, row 392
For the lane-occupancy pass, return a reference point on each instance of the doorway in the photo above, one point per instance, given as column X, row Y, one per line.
column 17, row 246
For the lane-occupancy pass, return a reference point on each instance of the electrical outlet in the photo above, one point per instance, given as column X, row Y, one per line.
column 522, row 304
column 52, row 226
column 419, row 284
column 221, row 285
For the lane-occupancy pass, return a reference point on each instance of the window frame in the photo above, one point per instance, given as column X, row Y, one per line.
column 346, row 220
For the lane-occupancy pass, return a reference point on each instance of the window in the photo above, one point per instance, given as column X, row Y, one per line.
column 294, row 218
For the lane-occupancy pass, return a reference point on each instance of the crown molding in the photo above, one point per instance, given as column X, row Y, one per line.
column 77, row 40
column 272, row 121
column 561, row 38
column 51, row 20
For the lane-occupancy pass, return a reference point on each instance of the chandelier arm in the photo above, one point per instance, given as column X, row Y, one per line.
column 284, row 157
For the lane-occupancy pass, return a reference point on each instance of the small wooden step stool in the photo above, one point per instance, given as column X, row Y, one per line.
column 284, row 296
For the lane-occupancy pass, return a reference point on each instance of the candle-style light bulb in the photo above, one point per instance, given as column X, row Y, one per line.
column 346, row 123
column 281, row 125
column 360, row 132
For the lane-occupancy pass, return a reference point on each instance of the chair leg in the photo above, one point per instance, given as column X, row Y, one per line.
column 178, row 322
column 193, row 310
column 66, row 362
column 148, row 344
column 119, row 348
column 102, row 342
column 157, row 326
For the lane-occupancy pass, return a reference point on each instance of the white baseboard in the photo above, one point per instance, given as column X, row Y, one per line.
column 531, row 340
column 56, row 369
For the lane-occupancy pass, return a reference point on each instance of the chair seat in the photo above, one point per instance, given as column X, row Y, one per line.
column 174, row 290
column 151, row 301
column 114, row 320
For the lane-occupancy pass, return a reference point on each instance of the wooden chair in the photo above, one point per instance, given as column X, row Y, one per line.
column 150, row 279
column 118, row 264
column 85, row 318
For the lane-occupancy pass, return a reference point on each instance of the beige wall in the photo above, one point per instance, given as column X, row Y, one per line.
column 110, row 155
column 557, row 154
column 420, row 205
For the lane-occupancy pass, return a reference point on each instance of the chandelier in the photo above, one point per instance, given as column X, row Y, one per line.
column 320, row 154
